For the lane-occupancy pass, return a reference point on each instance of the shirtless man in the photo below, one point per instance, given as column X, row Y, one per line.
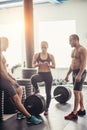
column 9, row 84
column 78, row 69
column 44, row 61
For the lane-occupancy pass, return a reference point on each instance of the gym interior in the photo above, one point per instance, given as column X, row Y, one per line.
column 26, row 23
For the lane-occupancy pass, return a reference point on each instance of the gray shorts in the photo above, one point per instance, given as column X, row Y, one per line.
column 7, row 86
column 78, row 85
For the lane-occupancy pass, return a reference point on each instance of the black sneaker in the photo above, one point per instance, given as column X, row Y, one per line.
column 33, row 120
column 81, row 113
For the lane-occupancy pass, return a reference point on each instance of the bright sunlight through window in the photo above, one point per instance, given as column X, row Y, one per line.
column 57, row 33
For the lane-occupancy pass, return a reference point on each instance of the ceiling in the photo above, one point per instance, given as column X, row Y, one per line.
column 18, row 3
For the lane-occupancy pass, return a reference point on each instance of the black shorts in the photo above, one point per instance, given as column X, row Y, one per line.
column 7, row 86
column 78, row 85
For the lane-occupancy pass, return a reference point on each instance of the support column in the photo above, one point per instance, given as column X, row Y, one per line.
column 29, row 36
column 29, row 39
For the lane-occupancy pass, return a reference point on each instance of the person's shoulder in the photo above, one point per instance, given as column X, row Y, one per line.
column 50, row 55
column 73, row 50
column 2, row 56
column 36, row 55
column 82, row 49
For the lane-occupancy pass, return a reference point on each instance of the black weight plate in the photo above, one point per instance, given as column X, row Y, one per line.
column 34, row 104
column 64, row 94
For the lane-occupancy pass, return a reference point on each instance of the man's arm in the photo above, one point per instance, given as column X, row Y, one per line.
column 68, row 73
column 11, row 76
column 4, row 73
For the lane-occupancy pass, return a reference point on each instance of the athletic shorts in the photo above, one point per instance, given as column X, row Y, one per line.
column 8, row 87
column 78, row 85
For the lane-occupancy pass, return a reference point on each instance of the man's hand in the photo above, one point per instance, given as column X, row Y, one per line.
column 78, row 78
column 67, row 78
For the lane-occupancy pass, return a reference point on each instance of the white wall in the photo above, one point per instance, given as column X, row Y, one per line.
column 70, row 10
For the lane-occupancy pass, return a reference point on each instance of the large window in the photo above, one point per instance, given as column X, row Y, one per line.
column 56, row 33
column 15, row 53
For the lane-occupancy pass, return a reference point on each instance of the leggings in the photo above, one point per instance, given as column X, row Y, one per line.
column 47, row 78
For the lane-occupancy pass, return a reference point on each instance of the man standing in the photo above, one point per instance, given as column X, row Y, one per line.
column 78, row 69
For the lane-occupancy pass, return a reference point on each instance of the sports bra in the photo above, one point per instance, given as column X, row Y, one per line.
column 39, row 59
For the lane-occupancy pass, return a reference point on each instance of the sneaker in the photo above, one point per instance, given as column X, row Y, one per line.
column 81, row 113
column 33, row 120
column 46, row 113
column 71, row 116
column 20, row 116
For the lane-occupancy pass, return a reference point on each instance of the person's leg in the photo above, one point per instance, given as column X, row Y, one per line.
column 76, row 101
column 81, row 111
column 81, row 94
column 34, row 80
column 48, row 96
column 78, row 98
column 20, row 106
column 29, row 118
column 48, row 86
column 81, row 102
column 77, row 91
column 73, row 114
column 19, row 91
column 6, row 85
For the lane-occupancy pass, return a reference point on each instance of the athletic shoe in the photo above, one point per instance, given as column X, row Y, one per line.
column 33, row 120
column 81, row 113
column 71, row 116
column 20, row 116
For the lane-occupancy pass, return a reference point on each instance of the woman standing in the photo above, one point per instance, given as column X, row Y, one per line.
column 44, row 61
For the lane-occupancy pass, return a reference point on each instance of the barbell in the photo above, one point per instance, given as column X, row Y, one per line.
column 35, row 104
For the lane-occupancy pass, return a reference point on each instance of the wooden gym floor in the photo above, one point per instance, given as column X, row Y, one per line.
column 54, row 121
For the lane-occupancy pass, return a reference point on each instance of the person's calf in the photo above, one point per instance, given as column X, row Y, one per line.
column 20, row 92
